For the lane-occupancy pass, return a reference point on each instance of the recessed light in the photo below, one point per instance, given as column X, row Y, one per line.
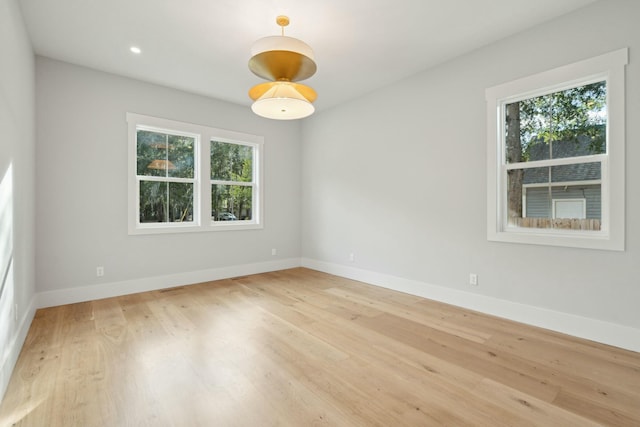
column 135, row 49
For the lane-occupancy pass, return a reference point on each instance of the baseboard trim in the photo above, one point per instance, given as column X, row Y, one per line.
column 578, row 326
column 114, row 289
column 583, row 327
column 15, row 346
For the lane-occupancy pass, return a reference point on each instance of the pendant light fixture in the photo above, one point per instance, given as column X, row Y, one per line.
column 283, row 61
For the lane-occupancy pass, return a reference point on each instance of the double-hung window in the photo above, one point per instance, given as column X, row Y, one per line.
column 232, row 181
column 185, row 177
column 166, row 172
column 556, row 156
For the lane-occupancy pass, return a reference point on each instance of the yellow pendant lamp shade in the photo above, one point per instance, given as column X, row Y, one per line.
column 283, row 100
column 282, row 60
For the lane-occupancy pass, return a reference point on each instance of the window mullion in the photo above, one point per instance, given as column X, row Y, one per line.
column 241, row 183
column 205, row 176
column 556, row 162
column 165, row 179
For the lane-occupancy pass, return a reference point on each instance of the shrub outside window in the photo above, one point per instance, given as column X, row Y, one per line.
column 556, row 156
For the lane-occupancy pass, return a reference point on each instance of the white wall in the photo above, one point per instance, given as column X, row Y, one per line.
column 17, row 221
column 82, row 190
column 399, row 178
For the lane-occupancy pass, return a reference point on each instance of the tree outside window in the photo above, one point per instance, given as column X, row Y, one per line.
column 232, row 181
column 178, row 182
column 165, row 171
column 568, row 124
column 556, row 156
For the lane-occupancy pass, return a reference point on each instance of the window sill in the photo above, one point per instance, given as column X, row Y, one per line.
column 178, row 228
column 573, row 239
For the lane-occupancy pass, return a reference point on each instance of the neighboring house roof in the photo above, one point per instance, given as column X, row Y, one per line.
column 564, row 173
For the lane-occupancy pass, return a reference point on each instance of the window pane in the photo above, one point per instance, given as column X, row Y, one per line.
column 166, row 202
column 180, row 202
column 181, row 156
column 160, row 154
column 579, row 172
column 151, row 153
column 231, row 162
column 565, row 197
column 568, row 123
column 231, row 202
column 153, row 206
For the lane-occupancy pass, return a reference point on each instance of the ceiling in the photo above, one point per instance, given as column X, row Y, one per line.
column 202, row 46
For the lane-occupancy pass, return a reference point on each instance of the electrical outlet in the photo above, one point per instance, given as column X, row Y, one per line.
column 274, row 251
column 99, row 271
column 352, row 257
column 473, row 279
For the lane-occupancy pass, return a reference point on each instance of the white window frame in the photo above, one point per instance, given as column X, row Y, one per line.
column 202, row 220
column 255, row 184
column 608, row 67
column 195, row 181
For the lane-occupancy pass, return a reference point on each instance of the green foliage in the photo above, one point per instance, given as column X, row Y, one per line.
column 165, row 155
column 175, row 153
column 232, row 163
column 566, row 115
column 173, row 156
column 561, row 124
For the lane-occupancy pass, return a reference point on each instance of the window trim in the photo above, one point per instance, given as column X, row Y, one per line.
column 609, row 67
column 202, row 220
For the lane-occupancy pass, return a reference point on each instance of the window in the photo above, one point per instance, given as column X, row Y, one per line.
column 232, row 181
column 556, row 156
column 166, row 173
column 185, row 177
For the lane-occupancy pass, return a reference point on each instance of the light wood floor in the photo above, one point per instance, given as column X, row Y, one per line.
column 303, row 348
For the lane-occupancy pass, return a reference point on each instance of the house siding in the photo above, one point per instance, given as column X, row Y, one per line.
column 538, row 204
